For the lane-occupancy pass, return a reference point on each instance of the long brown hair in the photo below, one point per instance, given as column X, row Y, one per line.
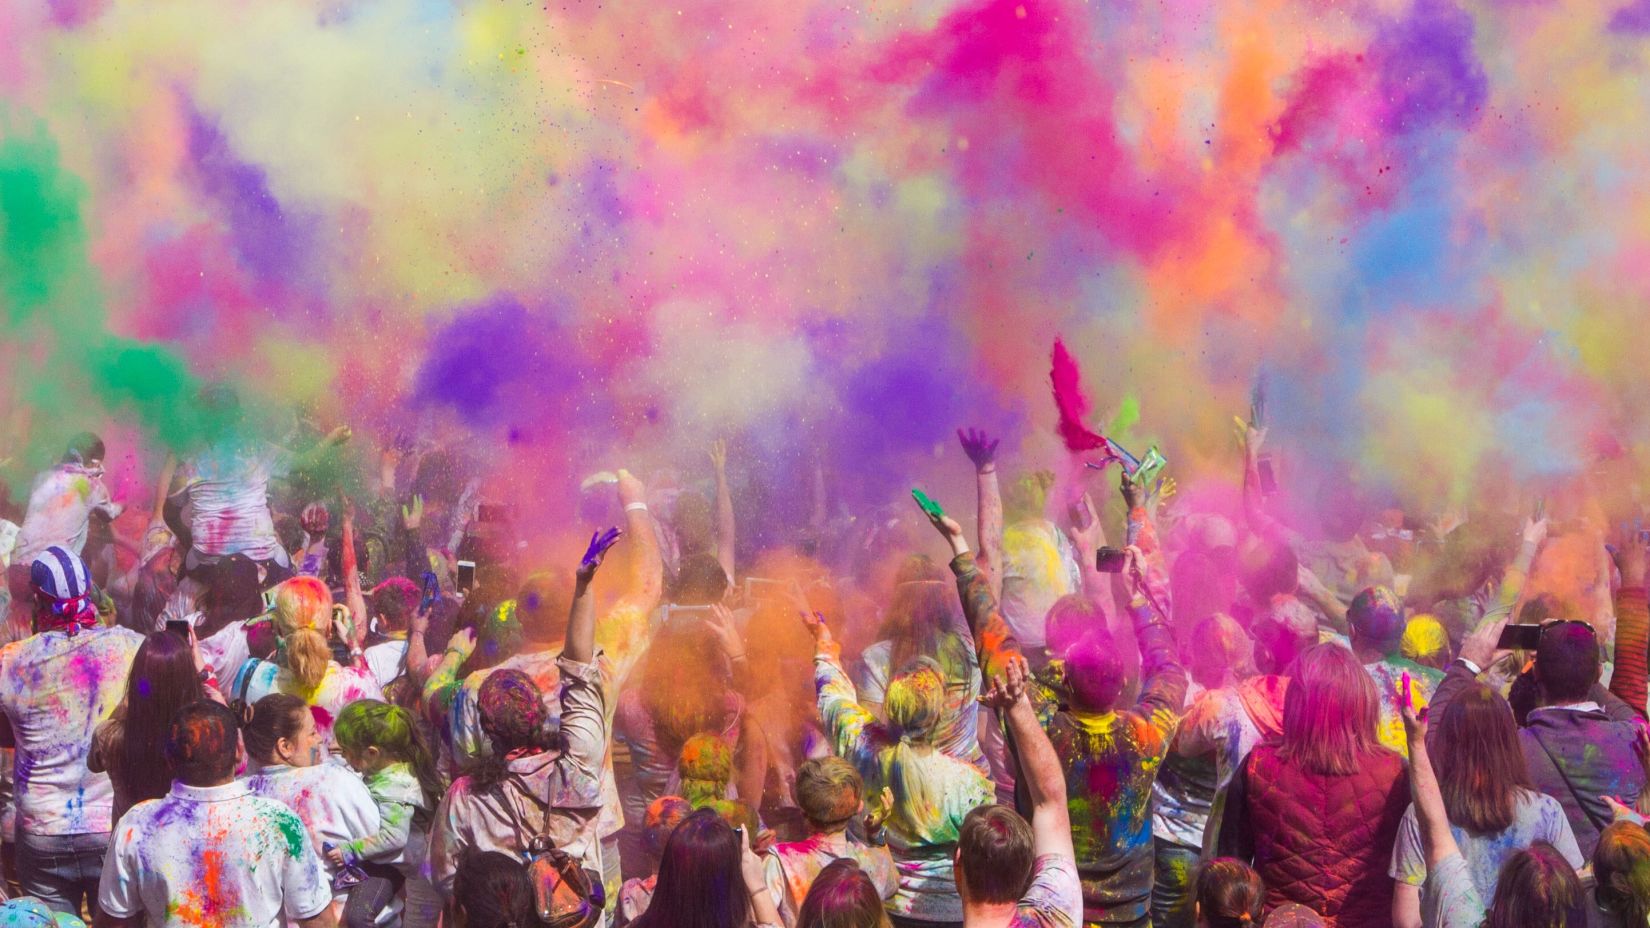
column 1480, row 766
column 1329, row 713
column 163, row 679
column 1537, row 888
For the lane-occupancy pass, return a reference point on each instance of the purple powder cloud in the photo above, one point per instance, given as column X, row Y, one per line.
column 1428, row 70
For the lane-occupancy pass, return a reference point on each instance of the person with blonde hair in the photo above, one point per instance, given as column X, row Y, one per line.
column 932, row 791
column 305, row 619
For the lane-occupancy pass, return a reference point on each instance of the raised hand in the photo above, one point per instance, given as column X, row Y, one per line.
column 1415, row 724
column 815, row 623
column 1085, row 530
column 980, row 448
column 719, row 454
column 315, row 518
column 726, row 633
column 413, row 516
column 630, row 489
column 946, row 525
column 600, row 542
column 1007, row 688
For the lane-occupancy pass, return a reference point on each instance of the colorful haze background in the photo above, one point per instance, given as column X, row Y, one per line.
column 572, row 229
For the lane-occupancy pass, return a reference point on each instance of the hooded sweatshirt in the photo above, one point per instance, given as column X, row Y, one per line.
column 1227, row 723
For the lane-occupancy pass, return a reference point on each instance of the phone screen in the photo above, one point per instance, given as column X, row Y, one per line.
column 178, row 627
column 687, row 613
column 466, row 574
column 1268, row 479
column 1110, row 560
column 431, row 588
column 1519, row 638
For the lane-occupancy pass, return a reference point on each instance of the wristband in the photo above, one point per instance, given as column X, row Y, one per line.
column 635, row 507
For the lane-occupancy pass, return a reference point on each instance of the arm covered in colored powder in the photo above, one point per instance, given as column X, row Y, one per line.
column 394, row 827
column 982, row 450
column 444, row 682
column 1163, row 680
column 850, row 728
column 353, row 597
column 993, row 639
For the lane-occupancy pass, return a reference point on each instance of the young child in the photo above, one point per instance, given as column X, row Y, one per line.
column 385, row 744
column 828, row 790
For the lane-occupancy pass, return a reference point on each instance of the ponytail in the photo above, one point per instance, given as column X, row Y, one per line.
column 1229, row 892
column 307, row 656
column 915, row 700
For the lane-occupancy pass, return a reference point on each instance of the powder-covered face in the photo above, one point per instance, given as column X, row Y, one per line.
column 305, row 748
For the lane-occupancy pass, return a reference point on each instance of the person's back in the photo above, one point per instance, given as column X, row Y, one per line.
column 229, row 500
column 828, row 791
column 56, row 687
column 210, row 853
column 1578, row 750
column 1111, row 758
column 1317, row 812
column 63, row 500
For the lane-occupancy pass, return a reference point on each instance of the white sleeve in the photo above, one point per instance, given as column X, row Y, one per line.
column 117, row 891
column 306, row 890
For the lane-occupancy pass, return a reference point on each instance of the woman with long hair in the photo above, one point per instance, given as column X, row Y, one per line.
column 922, row 621
column 305, row 621
column 932, row 791
column 493, row 890
column 1317, row 812
column 166, row 676
column 708, row 878
column 1229, row 894
column 1494, row 809
column 1536, row 886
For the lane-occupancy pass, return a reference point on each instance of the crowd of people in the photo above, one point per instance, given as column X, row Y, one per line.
column 281, row 705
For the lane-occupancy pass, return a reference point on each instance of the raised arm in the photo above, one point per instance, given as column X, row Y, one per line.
column 982, row 450
column 848, row 725
column 1040, row 767
column 647, row 568
column 725, row 529
column 1254, row 508
column 1437, row 843
column 1631, row 678
column 1088, row 535
column 994, row 641
column 353, row 597
column 1163, row 680
column 580, row 646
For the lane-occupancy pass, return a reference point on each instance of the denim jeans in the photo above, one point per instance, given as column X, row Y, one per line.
column 1173, row 885
column 61, row 870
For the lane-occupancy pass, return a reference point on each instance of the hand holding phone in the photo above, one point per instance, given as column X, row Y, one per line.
column 1519, row 638
column 1110, row 560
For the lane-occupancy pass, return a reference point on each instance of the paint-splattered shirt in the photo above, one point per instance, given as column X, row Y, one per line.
column 213, row 857
column 1110, row 761
column 331, row 800
column 1039, row 567
column 404, row 814
column 1449, row 899
column 1387, row 675
column 1054, row 899
column 60, row 508
column 792, row 867
column 229, row 501
column 921, row 839
column 56, row 688
column 1537, row 817
column 339, row 687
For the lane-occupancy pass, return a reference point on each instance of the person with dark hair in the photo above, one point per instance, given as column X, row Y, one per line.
column 287, row 763
column 663, row 816
column 1376, row 620
column 1317, row 812
column 1536, row 886
column 493, row 890
column 166, row 675
column 843, row 895
column 1229, row 894
column 56, row 687
column 542, row 606
column 392, row 605
column 210, row 852
column 1494, row 809
column 1012, row 873
column 828, row 790
column 532, row 783
column 709, row 878
column 1578, row 742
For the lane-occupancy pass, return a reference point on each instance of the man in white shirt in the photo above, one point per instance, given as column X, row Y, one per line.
column 56, row 686
column 60, row 511
column 210, row 853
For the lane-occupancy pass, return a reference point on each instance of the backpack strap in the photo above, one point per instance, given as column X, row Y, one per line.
column 243, row 677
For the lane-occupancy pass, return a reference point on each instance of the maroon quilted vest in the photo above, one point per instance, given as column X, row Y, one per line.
column 1326, row 842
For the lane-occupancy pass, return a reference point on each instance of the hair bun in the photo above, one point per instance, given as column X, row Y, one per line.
column 242, row 711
